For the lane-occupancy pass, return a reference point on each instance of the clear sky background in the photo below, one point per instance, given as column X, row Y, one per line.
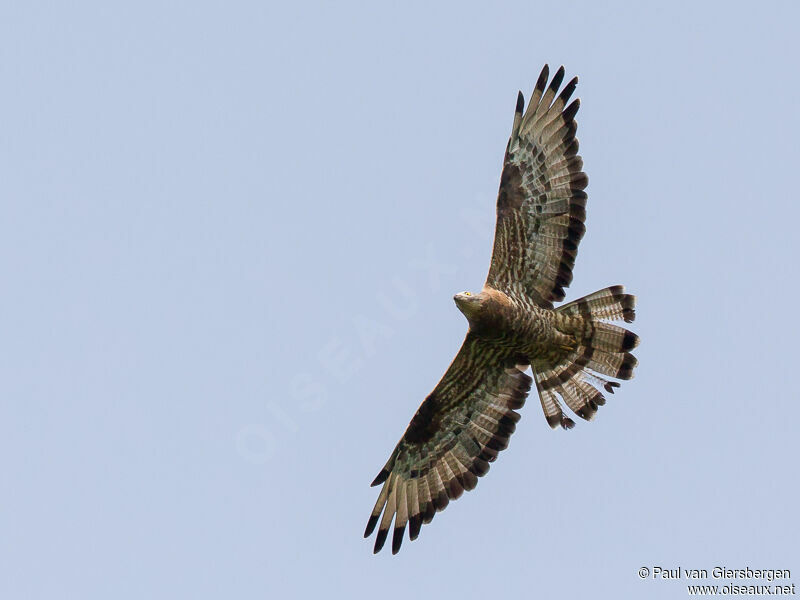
column 229, row 238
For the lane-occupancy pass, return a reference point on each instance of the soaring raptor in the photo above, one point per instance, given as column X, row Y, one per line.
column 571, row 350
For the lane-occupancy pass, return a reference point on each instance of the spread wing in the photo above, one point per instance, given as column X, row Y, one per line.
column 541, row 203
column 457, row 431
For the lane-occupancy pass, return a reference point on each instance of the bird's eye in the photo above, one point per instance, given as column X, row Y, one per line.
column 467, row 294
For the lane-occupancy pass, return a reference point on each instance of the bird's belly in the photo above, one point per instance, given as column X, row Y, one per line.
column 528, row 331
column 541, row 341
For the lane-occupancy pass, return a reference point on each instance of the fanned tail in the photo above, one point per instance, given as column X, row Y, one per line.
column 604, row 353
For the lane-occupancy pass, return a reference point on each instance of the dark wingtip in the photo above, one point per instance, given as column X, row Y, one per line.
column 430, row 512
column 373, row 520
column 568, row 90
column 543, row 76
column 520, row 102
column 382, row 476
column 479, row 466
column 571, row 110
column 579, row 181
column 380, row 540
column 488, row 454
column 567, row 423
column 454, row 489
column 610, row 385
column 415, row 524
column 469, row 480
column 557, row 78
column 498, row 442
column 506, row 425
column 397, row 538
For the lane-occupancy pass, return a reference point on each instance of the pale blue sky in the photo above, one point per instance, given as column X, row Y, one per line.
column 229, row 238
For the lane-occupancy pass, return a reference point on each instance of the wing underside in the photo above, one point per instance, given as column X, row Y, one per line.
column 541, row 203
column 457, row 431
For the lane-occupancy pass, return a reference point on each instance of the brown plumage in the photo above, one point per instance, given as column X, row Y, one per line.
column 469, row 416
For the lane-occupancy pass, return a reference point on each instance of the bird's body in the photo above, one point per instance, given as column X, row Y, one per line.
column 509, row 326
column 469, row 416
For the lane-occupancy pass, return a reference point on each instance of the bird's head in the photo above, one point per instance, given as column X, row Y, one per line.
column 468, row 303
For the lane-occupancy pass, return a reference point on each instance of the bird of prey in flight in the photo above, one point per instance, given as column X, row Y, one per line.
column 571, row 350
